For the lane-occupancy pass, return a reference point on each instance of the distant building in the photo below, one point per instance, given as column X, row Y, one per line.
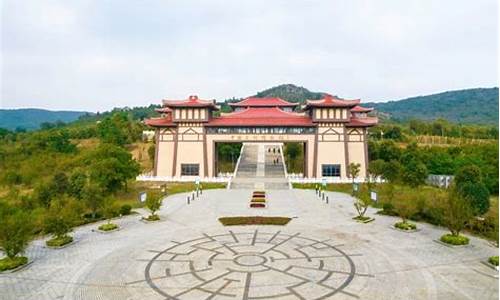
column 333, row 133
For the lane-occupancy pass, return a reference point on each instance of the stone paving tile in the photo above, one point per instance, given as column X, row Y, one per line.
column 321, row 254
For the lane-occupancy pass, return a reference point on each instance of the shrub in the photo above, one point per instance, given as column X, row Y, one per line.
column 454, row 239
column 405, row 226
column 493, row 260
column 9, row 263
column 108, row 227
column 152, row 218
column 59, row 241
column 125, row 210
column 256, row 220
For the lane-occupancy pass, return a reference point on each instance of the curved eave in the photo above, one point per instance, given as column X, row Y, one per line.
column 159, row 122
column 360, row 109
column 362, row 122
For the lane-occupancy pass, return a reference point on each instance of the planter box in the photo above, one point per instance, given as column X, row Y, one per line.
column 407, row 231
column 452, row 246
column 63, row 246
column 19, row 268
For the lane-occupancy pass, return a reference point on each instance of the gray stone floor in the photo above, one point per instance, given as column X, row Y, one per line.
column 321, row 254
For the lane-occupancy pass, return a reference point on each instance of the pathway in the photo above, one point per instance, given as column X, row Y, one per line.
column 321, row 254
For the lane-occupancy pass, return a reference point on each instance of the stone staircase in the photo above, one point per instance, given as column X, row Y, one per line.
column 260, row 168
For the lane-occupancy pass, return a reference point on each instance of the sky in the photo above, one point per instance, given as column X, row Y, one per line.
column 100, row 54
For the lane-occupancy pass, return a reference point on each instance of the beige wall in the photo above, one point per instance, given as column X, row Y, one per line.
column 190, row 148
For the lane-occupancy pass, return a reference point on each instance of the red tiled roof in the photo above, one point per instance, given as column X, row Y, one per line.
column 192, row 101
column 160, row 122
column 263, row 116
column 358, row 108
column 362, row 122
column 163, row 110
column 331, row 101
column 263, row 102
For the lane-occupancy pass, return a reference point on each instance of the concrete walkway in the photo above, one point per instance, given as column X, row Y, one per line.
column 257, row 168
column 321, row 254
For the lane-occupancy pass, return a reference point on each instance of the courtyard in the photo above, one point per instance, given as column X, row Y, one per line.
column 321, row 254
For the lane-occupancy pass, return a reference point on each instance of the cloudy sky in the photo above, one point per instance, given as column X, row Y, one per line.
column 95, row 55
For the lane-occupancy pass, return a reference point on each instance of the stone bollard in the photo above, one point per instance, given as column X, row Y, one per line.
column 326, row 199
column 197, row 192
column 193, row 196
column 188, row 200
column 323, row 196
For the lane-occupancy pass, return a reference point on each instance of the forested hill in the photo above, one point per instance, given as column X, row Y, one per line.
column 32, row 118
column 291, row 93
column 471, row 106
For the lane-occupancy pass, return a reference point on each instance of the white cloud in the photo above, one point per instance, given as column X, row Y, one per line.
column 95, row 55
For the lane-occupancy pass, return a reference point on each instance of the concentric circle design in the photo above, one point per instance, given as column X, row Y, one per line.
column 250, row 265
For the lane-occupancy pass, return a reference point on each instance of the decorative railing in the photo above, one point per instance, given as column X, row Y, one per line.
column 146, row 177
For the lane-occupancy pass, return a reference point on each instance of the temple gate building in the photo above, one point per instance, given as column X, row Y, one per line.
column 332, row 131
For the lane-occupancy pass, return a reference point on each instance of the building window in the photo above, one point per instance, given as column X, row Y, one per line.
column 330, row 170
column 190, row 169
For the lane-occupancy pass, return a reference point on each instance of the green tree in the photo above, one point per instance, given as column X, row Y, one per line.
column 16, row 231
column 392, row 171
column 361, row 203
column 406, row 205
column 153, row 202
column 376, row 168
column 109, row 208
column 469, row 185
column 77, row 181
column 93, row 197
column 111, row 166
column 457, row 211
column 414, row 174
column 61, row 217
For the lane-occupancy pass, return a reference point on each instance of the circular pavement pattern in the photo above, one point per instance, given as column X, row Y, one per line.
column 250, row 265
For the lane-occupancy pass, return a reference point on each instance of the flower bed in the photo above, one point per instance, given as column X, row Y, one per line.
column 454, row 239
column 108, row 227
column 57, row 242
column 8, row 263
column 152, row 218
column 255, row 220
column 405, row 226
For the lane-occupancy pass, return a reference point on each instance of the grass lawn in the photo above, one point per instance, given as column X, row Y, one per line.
column 256, row 220
column 131, row 196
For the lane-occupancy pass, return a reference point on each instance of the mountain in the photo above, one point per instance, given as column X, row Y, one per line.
column 469, row 106
column 290, row 92
column 32, row 118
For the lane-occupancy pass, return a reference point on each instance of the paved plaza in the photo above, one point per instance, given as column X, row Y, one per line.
column 321, row 254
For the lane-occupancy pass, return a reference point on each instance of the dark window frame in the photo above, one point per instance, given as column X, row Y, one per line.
column 331, row 170
column 190, row 169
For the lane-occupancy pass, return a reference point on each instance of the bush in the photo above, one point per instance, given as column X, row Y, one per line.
column 455, row 239
column 493, row 260
column 152, row 218
column 9, row 263
column 125, row 210
column 108, row 227
column 59, row 241
column 257, row 220
column 405, row 226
